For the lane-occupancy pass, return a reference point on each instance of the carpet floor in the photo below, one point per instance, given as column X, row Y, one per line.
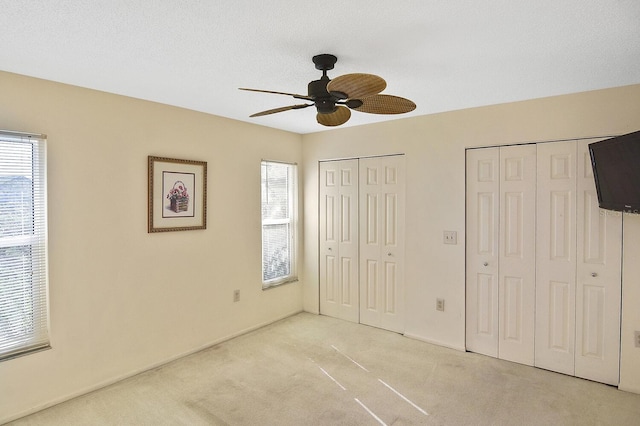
column 316, row 370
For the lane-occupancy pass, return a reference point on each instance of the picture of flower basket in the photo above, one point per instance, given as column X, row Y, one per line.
column 177, row 194
column 179, row 197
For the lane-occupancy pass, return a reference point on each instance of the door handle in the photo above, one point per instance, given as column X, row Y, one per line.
column 486, row 264
column 593, row 274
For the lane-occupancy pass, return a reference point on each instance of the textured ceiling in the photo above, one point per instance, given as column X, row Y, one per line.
column 442, row 55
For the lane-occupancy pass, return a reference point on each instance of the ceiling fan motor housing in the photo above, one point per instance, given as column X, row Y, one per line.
column 317, row 89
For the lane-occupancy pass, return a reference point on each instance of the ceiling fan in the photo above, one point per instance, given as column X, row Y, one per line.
column 334, row 99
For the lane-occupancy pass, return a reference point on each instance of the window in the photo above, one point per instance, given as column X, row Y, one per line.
column 23, row 245
column 278, row 223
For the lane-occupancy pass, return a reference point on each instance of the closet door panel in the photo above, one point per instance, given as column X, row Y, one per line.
column 339, row 239
column 382, row 242
column 370, row 246
column 556, row 257
column 517, row 253
column 598, row 281
column 482, row 203
column 329, row 225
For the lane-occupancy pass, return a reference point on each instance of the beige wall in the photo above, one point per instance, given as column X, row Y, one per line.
column 435, row 157
column 123, row 300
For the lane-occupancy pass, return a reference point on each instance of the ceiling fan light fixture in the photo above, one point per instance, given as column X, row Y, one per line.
column 325, row 106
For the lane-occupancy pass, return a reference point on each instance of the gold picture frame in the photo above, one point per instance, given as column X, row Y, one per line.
column 177, row 194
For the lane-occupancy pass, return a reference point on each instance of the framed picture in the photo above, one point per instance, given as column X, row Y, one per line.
column 177, row 194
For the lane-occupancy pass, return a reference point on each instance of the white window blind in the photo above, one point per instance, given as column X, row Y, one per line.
column 24, row 314
column 278, row 223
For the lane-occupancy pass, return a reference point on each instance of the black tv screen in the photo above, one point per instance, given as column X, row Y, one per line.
column 616, row 170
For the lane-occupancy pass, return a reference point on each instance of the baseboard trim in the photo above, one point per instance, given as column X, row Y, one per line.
column 135, row 372
column 435, row 342
column 630, row 389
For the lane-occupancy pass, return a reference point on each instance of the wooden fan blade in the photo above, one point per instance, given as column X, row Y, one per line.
column 309, row 98
column 273, row 111
column 340, row 116
column 386, row 104
column 357, row 86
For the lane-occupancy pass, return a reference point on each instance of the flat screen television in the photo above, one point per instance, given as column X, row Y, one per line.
column 616, row 170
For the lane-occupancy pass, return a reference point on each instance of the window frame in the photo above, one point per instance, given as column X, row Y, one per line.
column 37, row 336
column 291, row 220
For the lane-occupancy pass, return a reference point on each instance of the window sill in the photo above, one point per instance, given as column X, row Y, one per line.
column 279, row 283
column 18, row 354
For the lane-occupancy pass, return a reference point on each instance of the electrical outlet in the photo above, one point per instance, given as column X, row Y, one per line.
column 440, row 305
column 637, row 336
column 236, row 295
column 450, row 237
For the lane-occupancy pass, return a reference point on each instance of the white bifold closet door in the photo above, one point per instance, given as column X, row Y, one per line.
column 579, row 268
column 501, row 203
column 517, row 263
column 382, row 242
column 339, row 290
column 483, row 203
column 362, row 240
column 598, row 280
column 543, row 261
column 556, row 257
